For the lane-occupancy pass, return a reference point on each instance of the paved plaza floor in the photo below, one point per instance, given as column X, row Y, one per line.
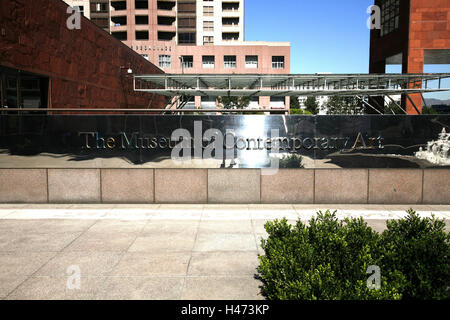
column 149, row 251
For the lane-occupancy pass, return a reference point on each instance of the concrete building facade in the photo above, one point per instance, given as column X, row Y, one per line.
column 413, row 33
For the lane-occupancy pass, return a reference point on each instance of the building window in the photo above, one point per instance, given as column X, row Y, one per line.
column 230, row 22
column 186, row 7
column 141, row 4
column 208, row 62
column 187, row 62
column 119, row 21
column 208, row 40
column 230, row 36
column 141, row 20
column 278, row 62
column 209, row 102
column 20, row 89
column 141, row 35
column 118, row 5
column 145, row 56
column 277, row 102
column 165, row 61
column 166, row 36
column 186, row 38
column 163, row 5
column 208, row 11
column 229, row 62
column 98, row 7
column 230, row 7
column 208, row 26
column 251, row 62
column 390, row 16
column 189, row 22
column 120, row 35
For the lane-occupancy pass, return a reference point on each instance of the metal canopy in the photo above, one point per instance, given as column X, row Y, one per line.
column 216, row 85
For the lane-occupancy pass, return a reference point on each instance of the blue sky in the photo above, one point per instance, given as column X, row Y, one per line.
column 325, row 35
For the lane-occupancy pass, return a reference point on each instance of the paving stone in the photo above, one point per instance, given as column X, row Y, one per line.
column 225, row 242
column 170, row 226
column 141, row 288
column 22, row 263
column 102, row 242
column 164, row 242
column 90, row 263
column 223, row 263
column 151, row 264
column 243, row 226
column 117, row 226
column 38, row 242
column 56, row 288
column 45, row 226
column 206, row 288
column 9, row 283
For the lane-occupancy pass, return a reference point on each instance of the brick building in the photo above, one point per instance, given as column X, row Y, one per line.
column 413, row 33
column 45, row 64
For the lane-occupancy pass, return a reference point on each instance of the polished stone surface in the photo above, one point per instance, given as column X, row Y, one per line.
column 151, row 251
column 127, row 141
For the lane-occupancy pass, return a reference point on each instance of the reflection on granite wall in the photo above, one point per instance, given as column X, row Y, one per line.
column 235, row 141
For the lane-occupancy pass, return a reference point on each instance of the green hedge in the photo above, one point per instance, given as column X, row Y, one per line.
column 329, row 259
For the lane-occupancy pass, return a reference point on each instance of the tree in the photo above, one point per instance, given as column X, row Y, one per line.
column 428, row 110
column 393, row 107
column 234, row 102
column 312, row 105
column 344, row 105
column 295, row 103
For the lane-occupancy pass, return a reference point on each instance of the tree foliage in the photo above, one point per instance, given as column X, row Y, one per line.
column 312, row 105
column 295, row 103
column 229, row 102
